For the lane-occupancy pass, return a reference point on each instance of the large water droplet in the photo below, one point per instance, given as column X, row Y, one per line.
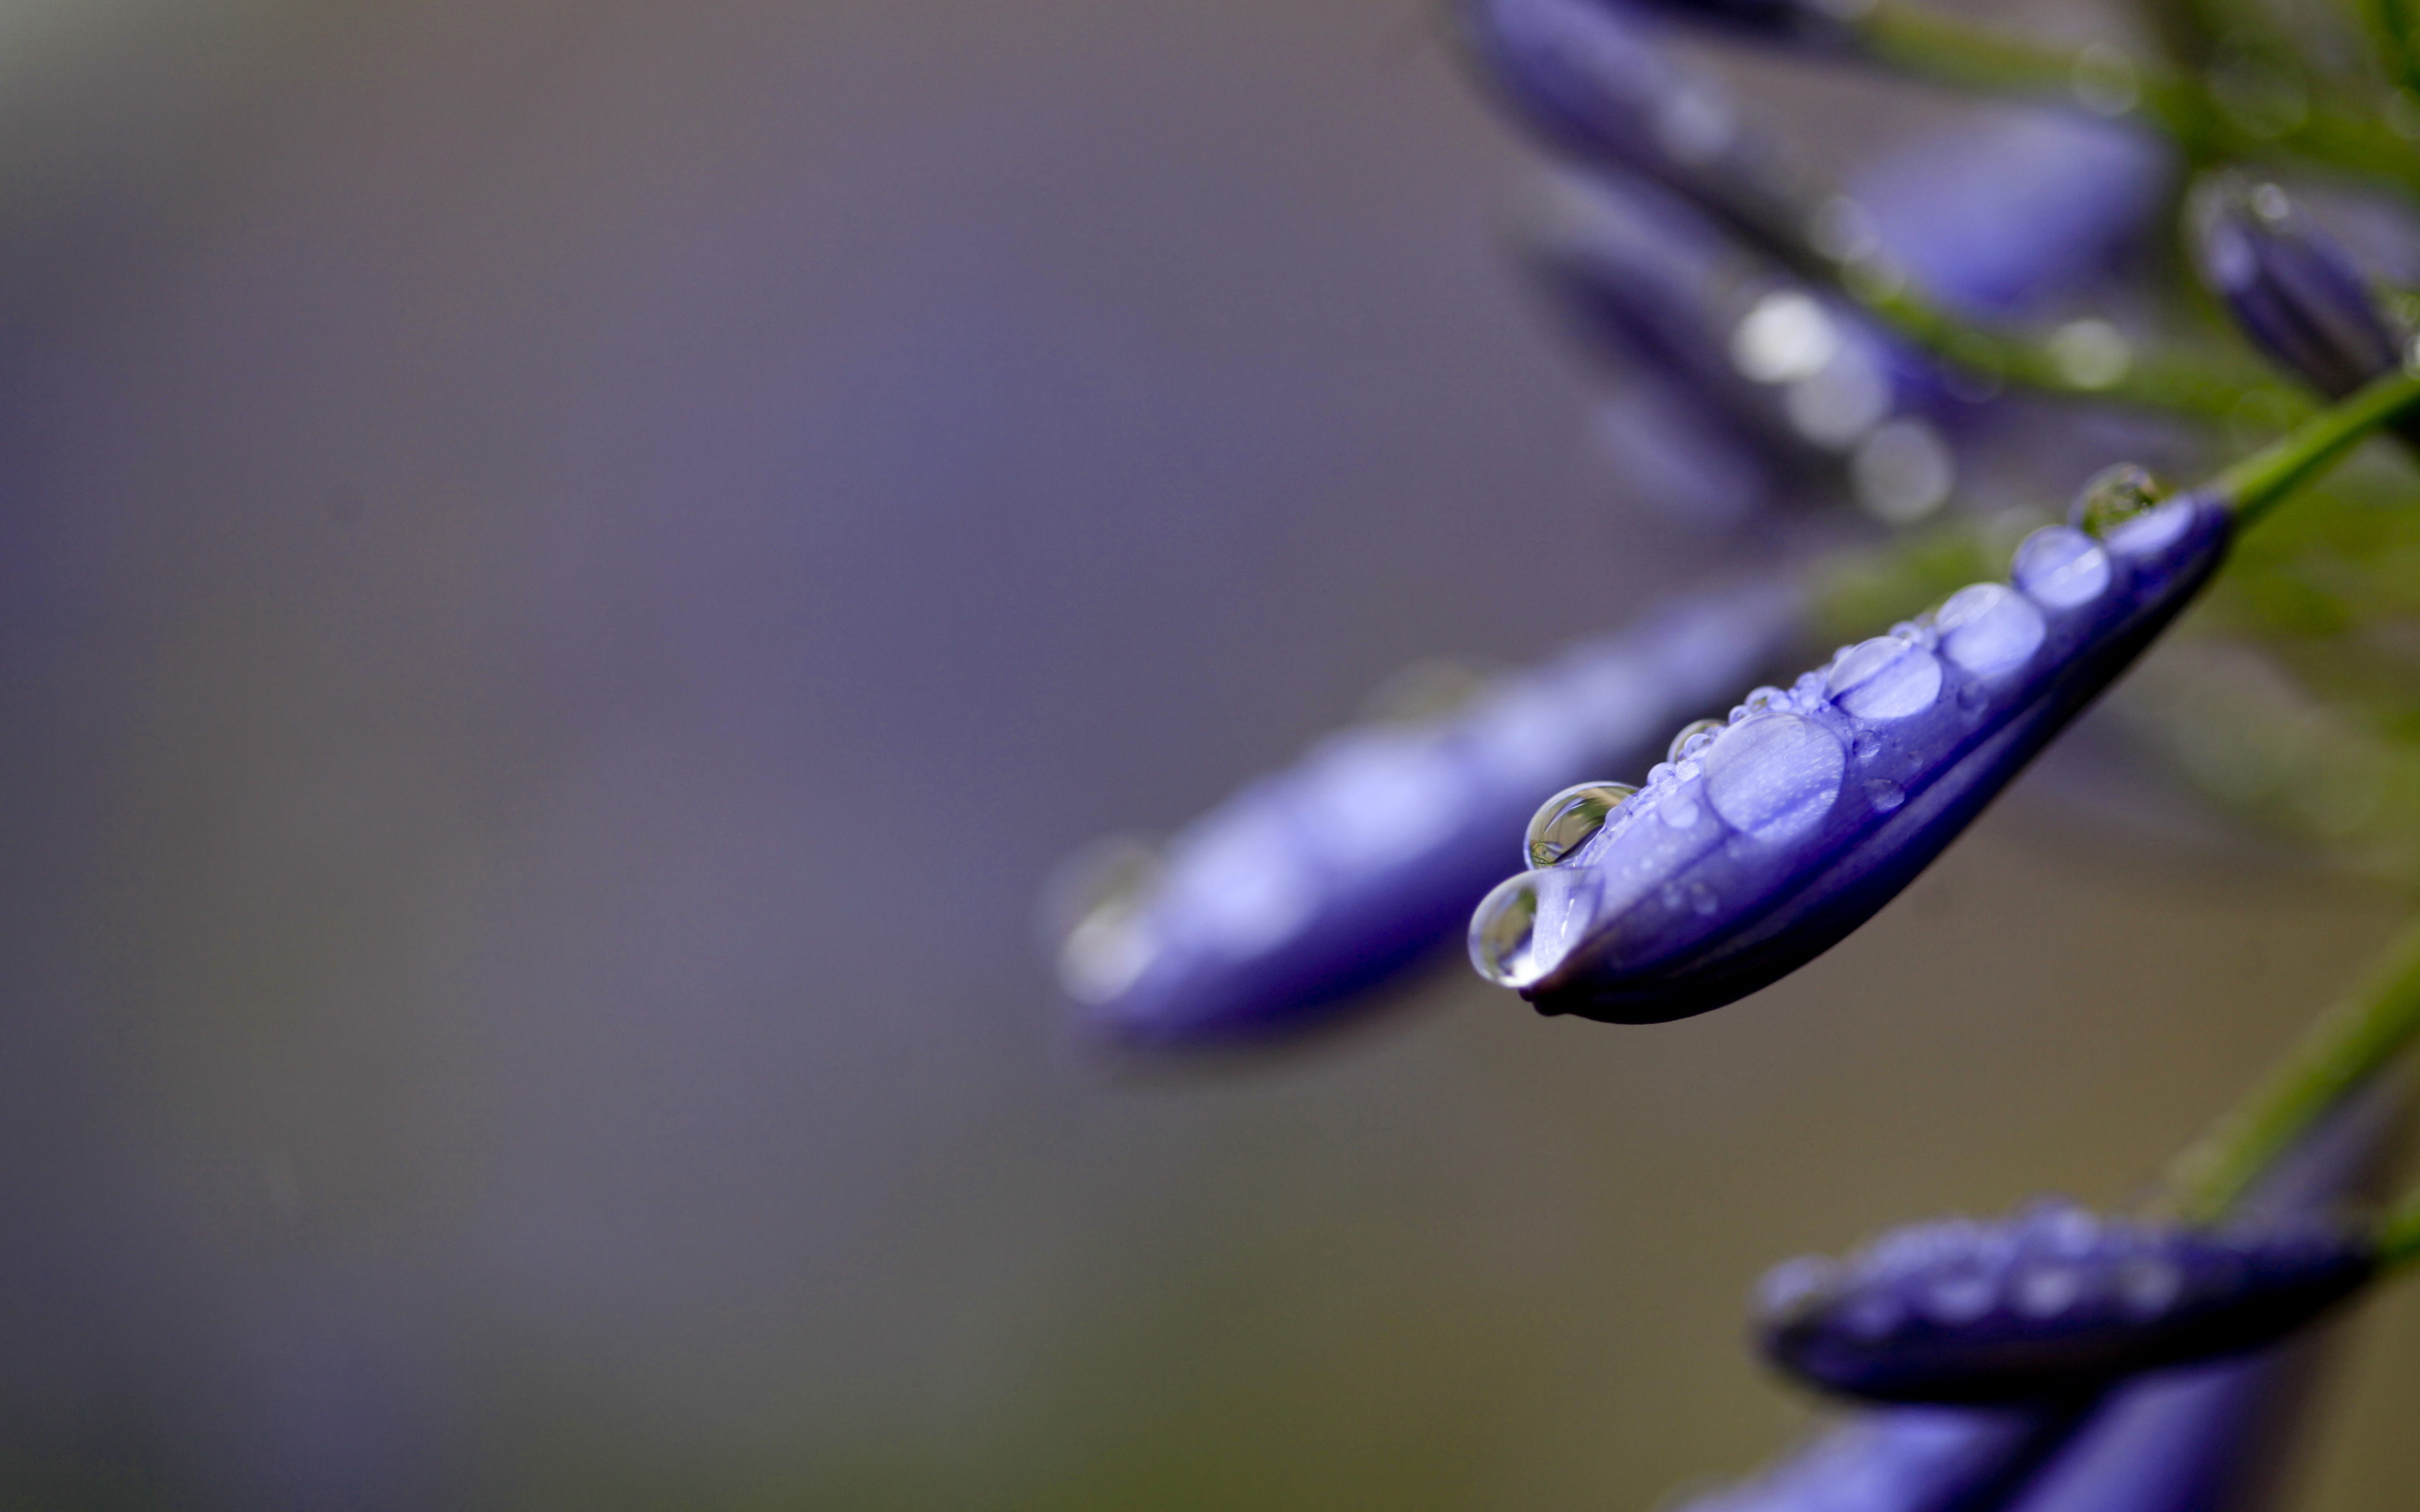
column 1564, row 822
column 2149, row 536
column 1885, row 678
column 1884, row 794
column 2059, row 566
column 1989, row 630
column 1530, row 923
column 1774, row 775
column 1700, row 731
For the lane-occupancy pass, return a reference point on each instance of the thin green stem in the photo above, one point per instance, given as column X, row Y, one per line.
column 2398, row 1234
column 2254, row 485
column 2344, row 1048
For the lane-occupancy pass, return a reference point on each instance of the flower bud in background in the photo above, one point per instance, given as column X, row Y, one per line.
column 2293, row 290
column 2052, row 1303
column 1811, row 398
column 2002, row 215
column 1759, row 846
column 1804, row 22
column 1275, row 913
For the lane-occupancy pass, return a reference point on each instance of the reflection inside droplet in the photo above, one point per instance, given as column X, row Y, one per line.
column 2147, row 535
column 2058, row 566
column 1530, row 923
column 1989, row 630
column 1885, row 678
column 1564, row 822
column 1698, row 730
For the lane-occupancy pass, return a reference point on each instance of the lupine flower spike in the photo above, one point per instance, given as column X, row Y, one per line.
column 2052, row 1303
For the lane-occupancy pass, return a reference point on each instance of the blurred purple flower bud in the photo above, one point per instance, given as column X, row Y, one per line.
column 1820, row 22
column 1997, row 217
column 1274, row 912
column 2052, row 1303
column 1589, row 78
column 2293, row 290
column 1800, row 384
column 1913, row 1459
column 1754, row 850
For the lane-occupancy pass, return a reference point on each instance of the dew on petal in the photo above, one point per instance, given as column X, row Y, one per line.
column 2058, row 566
column 1884, row 794
column 1990, row 630
column 1525, row 928
column 2149, row 1286
column 2148, row 536
column 1700, row 731
column 1564, row 822
column 1960, row 1296
column 2047, row 1290
column 1793, row 1281
column 1776, row 776
column 1885, row 678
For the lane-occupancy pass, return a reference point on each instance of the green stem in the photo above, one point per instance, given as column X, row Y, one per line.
column 2349, row 1044
column 2254, row 485
column 2398, row 1234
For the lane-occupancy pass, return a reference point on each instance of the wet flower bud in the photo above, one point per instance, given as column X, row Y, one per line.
column 1740, row 862
column 2294, row 291
column 1277, row 911
column 2052, row 1303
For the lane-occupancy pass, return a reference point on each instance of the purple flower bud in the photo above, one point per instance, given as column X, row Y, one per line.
column 1276, row 912
column 1997, row 217
column 2052, row 1303
column 1757, row 849
column 2295, row 292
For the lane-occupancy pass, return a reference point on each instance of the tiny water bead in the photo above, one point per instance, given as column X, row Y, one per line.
column 1773, row 776
column 1888, row 677
column 1693, row 738
column 2060, row 567
column 1989, row 630
column 1564, row 822
column 1530, row 923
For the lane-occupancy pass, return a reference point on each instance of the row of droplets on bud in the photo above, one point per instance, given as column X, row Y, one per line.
column 1783, row 772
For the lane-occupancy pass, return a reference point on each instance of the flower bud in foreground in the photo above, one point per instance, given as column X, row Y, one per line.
column 2296, row 294
column 1277, row 911
column 2054, row 1302
column 1758, row 847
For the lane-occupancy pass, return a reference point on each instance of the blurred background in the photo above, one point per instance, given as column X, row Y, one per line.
column 570, row 569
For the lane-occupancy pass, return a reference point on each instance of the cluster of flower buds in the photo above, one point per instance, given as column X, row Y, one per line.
column 1766, row 838
column 1276, row 912
column 2052, row 1303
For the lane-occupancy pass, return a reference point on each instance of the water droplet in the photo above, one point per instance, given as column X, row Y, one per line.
column 1105, row 955
column 1530, row 923
column 2090, row 354
column 1868, row 745
column 1564, row 822
column 1757, row 701
column 1703, row 900
column 1902, row 471
column 1885, row 678
column 2111, row 496
column 2059, row 566
column 1840, row 402
column 1680, row 809
column 2148, row 536
column 1973, row 695
column 1786, row 337
column 1960, row 1296
column 2047, row 1290
column 2149, row 1286
column 1098, row 904
column 1884, row 794
column 1774, row 775
column 1990, row 630
column 1700, row 731
column 1660, row 775
column 1873, row 1315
